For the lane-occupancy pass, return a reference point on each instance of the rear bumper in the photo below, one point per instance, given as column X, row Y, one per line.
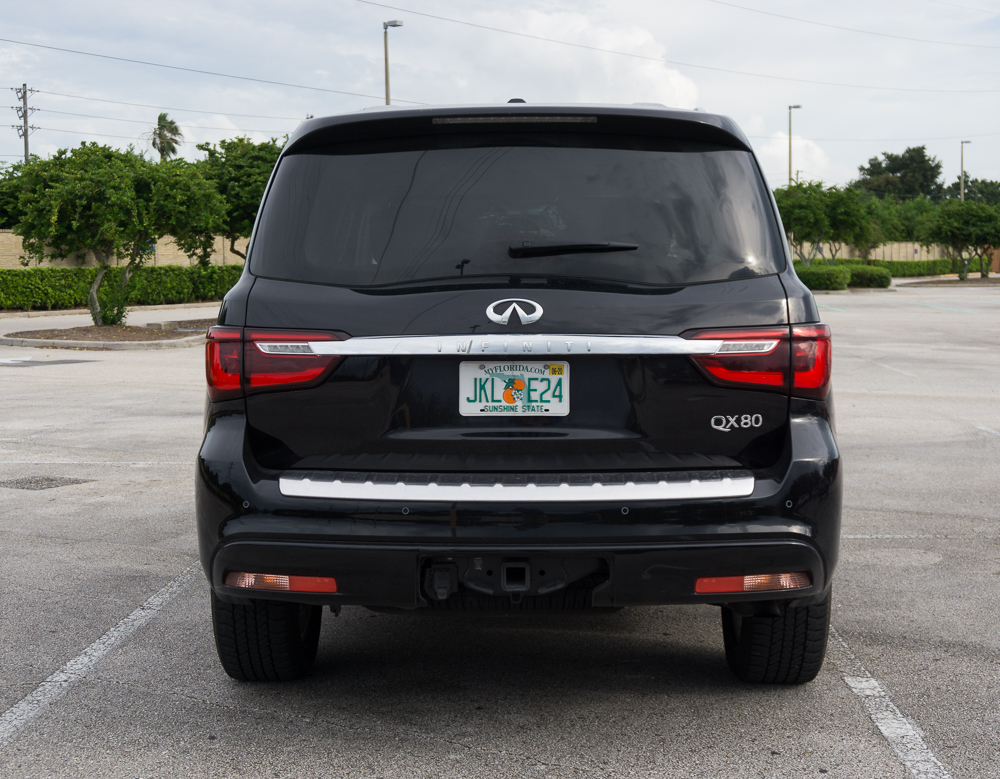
column 391, row 576
column 653, row 550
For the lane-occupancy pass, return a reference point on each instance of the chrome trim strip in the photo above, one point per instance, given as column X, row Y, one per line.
column 630, row 492
column 524, row 345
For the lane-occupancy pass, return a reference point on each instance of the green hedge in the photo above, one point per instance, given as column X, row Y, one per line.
column 900, row 268
column 824, row 276
column 869, row 276
column 56, row 288
column 896, row 268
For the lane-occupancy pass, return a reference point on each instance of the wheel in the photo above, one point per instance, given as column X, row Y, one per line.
column 777, row 650
column 266, row 641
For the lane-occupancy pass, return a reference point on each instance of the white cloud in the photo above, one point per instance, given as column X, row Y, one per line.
column 809, row 160
column 337, row 44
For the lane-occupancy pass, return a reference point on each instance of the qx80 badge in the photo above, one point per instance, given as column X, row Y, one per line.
column 501, row 310
column 727, row 423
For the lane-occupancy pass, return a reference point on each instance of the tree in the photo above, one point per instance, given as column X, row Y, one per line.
column 910, row 215
column 904, row 176
column 985, row 238
column 979, row 190
column 165, row 137
column 116, row 205
column 846, row 217
column 803, row 215
column 955, row 224
column 10, row 188
column 240, row 169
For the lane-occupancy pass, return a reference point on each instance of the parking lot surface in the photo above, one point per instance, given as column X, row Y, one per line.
column 97, row 456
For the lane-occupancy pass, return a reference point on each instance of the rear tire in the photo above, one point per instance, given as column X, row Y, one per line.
column 777, row 650
column 266, row 641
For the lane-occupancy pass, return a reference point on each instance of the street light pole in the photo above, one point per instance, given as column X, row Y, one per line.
column 790, row 142
column 961, row 179
column 385, row 30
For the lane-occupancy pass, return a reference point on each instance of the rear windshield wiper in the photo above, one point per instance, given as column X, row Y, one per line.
column 542, row 249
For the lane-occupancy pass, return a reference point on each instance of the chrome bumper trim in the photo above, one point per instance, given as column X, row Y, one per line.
column 523, row 346
column 737, row 485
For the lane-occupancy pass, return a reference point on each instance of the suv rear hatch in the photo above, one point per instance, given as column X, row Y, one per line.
column 465, row 230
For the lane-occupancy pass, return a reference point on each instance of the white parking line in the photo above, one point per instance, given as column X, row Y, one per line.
column 53, row 688
column 897, row 730
column 890, row 368
column 96, row 462
column 987, row 429
column 925, row 535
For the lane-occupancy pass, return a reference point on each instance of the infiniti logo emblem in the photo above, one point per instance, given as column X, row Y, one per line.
column 500, row 311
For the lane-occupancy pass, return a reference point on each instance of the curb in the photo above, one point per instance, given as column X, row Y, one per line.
column 177, row 343
column 76, row 311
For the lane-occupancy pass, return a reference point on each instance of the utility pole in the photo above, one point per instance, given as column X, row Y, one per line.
column 385, row 30
column 961, row 180
column 790, row 142
column 23, row 112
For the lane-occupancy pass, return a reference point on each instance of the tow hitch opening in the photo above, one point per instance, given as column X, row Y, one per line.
column 515, row 577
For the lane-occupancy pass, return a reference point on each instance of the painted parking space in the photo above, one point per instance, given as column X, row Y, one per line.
column 110, row 670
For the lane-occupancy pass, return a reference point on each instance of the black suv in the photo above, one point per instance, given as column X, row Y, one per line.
column 519, row 359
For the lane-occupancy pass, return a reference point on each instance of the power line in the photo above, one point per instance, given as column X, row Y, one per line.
column 147, row 123
column 99, row 135
column 966, row 7
column 195, row 70
column 166, row 108
column 852, row 29
column 678, row 62
column 880, row 140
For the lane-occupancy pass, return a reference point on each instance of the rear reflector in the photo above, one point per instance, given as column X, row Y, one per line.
column 279, row 583
column 755, row 583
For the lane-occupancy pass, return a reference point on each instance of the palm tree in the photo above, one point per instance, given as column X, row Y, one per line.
column 165, row 136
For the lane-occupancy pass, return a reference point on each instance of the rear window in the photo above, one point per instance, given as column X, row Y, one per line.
column 674, row 212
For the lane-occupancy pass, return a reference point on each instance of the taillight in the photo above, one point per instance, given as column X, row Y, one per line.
column 753, row 356
column 262, row 360
column 223, row 347
column 274, row 359
column 770, row 358
column 812, row 360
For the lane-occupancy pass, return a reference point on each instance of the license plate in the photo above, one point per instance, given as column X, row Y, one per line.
column 526, row 389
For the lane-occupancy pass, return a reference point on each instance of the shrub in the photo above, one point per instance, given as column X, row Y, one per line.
column 57, row 288
column 45, row 288
column 824, row 277
column 868, row 276
column 899, row 268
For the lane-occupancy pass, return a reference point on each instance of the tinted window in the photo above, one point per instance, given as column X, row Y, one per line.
column 697, row 212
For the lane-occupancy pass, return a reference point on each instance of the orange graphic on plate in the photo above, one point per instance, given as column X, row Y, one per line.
column 513, row 390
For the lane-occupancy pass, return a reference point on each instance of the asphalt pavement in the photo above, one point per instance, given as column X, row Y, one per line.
column 108, row 667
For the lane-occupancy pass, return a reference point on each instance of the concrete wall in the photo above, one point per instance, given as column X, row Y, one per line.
column 167, row 253
column 900, row 251
column 889, row 251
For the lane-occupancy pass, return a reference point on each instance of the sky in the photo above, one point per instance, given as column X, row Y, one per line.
column 870, row 76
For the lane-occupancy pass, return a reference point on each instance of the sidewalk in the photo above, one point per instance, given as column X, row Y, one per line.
column 17, row 321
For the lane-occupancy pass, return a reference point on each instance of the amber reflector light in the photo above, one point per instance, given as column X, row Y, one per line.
column 756, row 583
column 279, row 583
